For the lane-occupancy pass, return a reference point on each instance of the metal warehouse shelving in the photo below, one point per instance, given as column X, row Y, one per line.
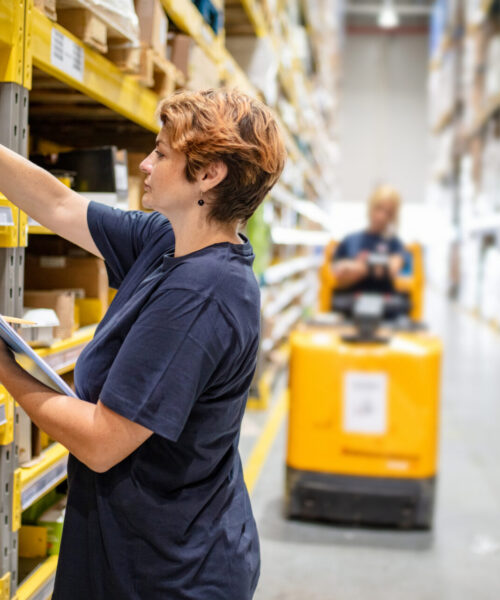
column 27, row 42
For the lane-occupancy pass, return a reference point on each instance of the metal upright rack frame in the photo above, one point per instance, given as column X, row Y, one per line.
column 13, row 134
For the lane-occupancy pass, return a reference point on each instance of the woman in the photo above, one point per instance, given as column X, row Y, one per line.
column 351, row 260
column 157, row 506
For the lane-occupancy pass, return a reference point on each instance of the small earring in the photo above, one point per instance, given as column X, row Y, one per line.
column 201, row 202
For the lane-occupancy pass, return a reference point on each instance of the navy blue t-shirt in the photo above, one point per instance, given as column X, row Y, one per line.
column 175, row 352
column 365, row 241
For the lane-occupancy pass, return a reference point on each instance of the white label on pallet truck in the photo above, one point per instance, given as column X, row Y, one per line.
column 365, row 402
column 66, row 55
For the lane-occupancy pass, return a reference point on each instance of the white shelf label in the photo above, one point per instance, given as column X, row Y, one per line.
column 66, row 55
column 365, row 402
column 64, row 358
column 6, row 217
column 48, row 480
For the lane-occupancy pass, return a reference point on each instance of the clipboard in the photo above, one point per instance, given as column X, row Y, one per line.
column 29, row 360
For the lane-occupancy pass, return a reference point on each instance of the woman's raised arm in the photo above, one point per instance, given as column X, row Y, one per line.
column 45, row 198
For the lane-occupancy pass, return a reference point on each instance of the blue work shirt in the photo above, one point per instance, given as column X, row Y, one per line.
column 365, row 241
column 176, row 353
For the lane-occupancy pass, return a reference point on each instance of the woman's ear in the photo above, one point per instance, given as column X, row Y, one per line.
column 212, row 175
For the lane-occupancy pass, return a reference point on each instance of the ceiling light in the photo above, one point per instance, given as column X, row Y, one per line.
column 388, row 17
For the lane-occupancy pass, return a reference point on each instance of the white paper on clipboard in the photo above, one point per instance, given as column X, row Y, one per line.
column 31, row 362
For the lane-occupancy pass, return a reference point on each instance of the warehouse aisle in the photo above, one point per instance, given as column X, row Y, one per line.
column 460, row 559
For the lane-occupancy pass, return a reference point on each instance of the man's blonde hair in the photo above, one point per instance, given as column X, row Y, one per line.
column 385, row 193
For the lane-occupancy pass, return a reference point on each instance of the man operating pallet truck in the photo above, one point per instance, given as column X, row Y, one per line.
column 364, row 390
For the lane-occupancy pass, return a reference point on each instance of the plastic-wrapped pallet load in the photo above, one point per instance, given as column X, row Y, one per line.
column 119, row 16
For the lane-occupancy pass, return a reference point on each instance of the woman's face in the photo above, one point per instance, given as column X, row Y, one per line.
column 382, row 215
column 166, row 188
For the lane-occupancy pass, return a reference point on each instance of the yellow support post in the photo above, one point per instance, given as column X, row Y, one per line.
column 12, row 41
column 5, row 587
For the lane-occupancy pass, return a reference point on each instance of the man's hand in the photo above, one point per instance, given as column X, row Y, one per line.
column 350, row 271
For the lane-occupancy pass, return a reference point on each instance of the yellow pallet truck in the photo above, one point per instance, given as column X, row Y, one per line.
column 364, row 407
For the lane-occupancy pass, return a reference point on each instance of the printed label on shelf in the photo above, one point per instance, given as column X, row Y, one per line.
column 365, row 402
column 66, row 55
column 32, row 222
column 37, row 488
column 46, row 590
column 6, row 217
column 65, row 358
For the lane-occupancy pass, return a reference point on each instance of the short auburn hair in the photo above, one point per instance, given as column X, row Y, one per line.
column 229, row 126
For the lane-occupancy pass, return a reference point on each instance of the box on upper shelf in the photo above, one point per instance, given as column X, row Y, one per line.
column 153, row 25
column 85, row 272
column 62, row 301
column 86, row 26
column 179, row 51
column 32, row 541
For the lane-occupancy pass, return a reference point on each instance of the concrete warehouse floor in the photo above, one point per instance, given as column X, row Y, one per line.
column 460, row 558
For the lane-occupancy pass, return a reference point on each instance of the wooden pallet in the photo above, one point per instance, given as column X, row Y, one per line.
column 93, row 25
column 48, row 7
column 159, row 73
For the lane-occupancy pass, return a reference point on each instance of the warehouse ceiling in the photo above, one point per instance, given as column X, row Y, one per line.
column 413, row 14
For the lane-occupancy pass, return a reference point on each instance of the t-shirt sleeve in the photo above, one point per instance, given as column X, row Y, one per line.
column 166, row 361
column 396, row 246
column 120, row 236
column 341, row 251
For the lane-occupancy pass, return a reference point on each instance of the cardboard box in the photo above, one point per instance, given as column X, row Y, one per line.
column 32, row 541
column 202, row 72
column 135, row 192
column 153, row 25
column 135, row 180
column 53, row 520
column 23, row 436
column 30, row 439
column 62, row 301
column 86, row 26
column 56, row 272
column 180, row 47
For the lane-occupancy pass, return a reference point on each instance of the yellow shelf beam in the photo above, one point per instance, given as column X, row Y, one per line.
column 40, row 584
column 8, row 20
column 256, row 16
column 49, row 470
column 96, row 77
column 63, row 355
column 39, row 229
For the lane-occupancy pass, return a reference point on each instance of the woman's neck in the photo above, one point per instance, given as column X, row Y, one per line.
column 195, row 233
